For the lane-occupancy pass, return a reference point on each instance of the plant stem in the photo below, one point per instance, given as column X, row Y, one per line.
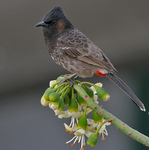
column 134, row 134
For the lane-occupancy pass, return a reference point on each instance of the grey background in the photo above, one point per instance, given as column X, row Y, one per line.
column 119, row 28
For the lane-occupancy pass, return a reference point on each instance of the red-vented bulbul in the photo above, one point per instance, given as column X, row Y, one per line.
column 71, row 49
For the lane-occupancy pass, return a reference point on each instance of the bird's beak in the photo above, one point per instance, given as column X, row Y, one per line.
column 40, row 24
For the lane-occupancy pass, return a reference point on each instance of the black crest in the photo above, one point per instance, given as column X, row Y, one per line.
column 55, row 14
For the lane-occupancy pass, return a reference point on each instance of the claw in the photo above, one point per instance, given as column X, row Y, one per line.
column 67, row 79
column 76, row 77
column 61, row 75
column 71, row 83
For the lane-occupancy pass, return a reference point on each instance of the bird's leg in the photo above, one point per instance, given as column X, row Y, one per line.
column 68, row 79
column 76, row 77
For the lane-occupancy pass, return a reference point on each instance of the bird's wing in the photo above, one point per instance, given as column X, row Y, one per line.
column 75, row 44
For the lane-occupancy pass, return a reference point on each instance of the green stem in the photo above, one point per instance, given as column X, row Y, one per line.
column 102, row 125
column 52, row 87
column 65, row 92
column 134, row 134
column 63, row 89
column 85, row 110
column 88, row 83
column 72, row 93
column 61, row 85
column 77, row 81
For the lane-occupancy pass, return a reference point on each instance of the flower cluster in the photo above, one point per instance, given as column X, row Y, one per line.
column 58, row 96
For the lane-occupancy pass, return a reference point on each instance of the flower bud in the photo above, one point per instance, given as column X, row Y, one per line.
column 92, row 140
column 73, row 105
column 54, row 105
column 66, row 99
column 80, row 100
column 61, row 105
column 52, row 83
column 96, row 117
column 69, row 92
column 44, row 102
column 102, row 93
column 47, row 93
column 59, row 79
column 82, row 123
column 54, row 96
column 88, row 90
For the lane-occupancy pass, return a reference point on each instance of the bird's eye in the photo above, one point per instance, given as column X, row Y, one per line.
column 51, row 22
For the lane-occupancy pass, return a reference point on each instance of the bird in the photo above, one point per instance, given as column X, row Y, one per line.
column 75, row 52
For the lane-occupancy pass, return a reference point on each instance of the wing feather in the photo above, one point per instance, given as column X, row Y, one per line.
column 77, row 45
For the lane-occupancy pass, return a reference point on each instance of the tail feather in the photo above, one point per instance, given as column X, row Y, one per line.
column 126, row 89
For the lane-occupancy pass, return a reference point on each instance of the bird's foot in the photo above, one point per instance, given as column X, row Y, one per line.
column 67, row 79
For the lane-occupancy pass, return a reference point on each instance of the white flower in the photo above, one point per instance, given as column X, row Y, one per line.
column 78, row 128
column 44, row 102
column 70, row 129
column 103, row 130
column 52, row 82
column 53, row 105
column 96, row 99
column 97, row 84
column 79, row 135
column 62, row 114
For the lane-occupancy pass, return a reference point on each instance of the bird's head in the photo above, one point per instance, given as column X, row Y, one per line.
column 54, row 21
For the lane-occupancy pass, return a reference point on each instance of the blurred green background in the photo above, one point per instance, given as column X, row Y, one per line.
column 119, row 28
